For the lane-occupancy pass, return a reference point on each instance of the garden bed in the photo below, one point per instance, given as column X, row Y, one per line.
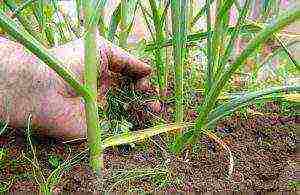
column 263, row 145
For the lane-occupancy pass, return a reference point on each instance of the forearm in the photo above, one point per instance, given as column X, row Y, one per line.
column 24, row 80
column 29, row 87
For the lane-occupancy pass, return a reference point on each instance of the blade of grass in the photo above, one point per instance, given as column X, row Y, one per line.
column 233, row 37
column 200, row 13
column 49, row 30
column 38, row 12
column 79, row 12
column 287, row 51
column 37, row 168
column 99, row 17
column 70, row 25
column 23, row 6
column 252, row 46
column 131, row 137
column 282, row 44
column 114, row 22
column 123, row 24
column 146, row 16
column 242, row 100
column 218, row 33
column 3, row 128
column 190, row 14
column 238, row 6
column 53, row 179
column 196, row 37
column 130, row 26
column 61, row 24
column 128, row 9
column 55, row 176
column 164, row 14
column 218, row 113
column 270, row 56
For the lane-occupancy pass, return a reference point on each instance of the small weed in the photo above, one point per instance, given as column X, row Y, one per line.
column 165, row 181
column 3, row 154
column 293, row 185
column 5, row 186
column 3, row 127
column 55, row 161
column 161, row 180
column 4, row 162
column 121, row 177
column 196, row 149
column 47, row 184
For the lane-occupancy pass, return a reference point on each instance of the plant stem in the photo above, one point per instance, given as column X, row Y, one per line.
column 190, row 14
column 90, row 70
column 159, row 37
column 222, row 13
column 195, row 19
column 179, row 26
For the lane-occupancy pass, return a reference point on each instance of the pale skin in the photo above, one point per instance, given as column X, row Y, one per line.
column 29, row 87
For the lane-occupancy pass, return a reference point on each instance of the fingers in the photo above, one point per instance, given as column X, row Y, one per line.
column 144, row 85
column 118, row 59
column 112, row 58
column 122, row 62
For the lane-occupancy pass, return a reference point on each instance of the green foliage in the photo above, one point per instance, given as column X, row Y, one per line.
column 123, row 17
column 116, row 113
column 211, row 98
column 293, row 185
column 166, row 180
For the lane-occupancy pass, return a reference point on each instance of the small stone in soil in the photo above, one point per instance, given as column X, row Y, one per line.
column 142, row 157
column 211, row 146
column 225, row 129
column 124, row 149
column 260, row 135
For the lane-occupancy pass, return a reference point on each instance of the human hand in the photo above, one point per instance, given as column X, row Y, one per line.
column 29, row 87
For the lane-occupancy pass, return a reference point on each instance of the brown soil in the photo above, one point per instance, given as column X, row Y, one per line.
column 264, row 149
